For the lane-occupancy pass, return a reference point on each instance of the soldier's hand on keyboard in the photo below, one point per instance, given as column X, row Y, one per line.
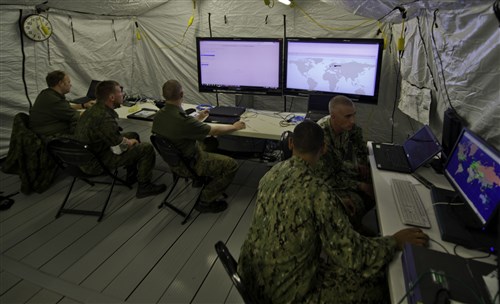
column 413, row 236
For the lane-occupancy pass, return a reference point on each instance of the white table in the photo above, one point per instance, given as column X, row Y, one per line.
column 259, row 124
column 389, row 220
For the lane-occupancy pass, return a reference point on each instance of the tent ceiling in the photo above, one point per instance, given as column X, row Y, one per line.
column 97, row 7
column 374, row 9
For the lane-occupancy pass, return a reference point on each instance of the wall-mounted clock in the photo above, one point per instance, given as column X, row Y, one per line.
column 37, row 27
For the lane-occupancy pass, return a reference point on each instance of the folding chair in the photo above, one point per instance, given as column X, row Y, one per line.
column 71, row 155
column 231, row 267
column 173, row 157
column 286, row 152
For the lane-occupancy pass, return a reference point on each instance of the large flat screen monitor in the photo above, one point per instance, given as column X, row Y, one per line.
column 240, row 65
column 473, row 169
column 335, row 66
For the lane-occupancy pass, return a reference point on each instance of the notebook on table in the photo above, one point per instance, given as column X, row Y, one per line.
column 90, row 93
column 415, row 151
column 225, row 114
column 317, row 106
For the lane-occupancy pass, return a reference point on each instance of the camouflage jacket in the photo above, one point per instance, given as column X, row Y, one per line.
column 296, row 218
column 345, row 152
column 28, row 158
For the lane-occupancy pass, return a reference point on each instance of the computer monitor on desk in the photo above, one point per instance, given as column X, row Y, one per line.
column 467, row 216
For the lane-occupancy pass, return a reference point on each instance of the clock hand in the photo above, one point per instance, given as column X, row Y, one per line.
column 43, row 28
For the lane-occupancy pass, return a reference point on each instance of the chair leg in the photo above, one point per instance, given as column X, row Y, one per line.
column 194, row 205
column 107, row 199
column 164, row 203
column 66, row 198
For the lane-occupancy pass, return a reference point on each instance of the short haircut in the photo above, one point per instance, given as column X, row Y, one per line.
column 104, row 89
column 54, row 77
column 308, row 137
column 172, row 90
column 339, row 100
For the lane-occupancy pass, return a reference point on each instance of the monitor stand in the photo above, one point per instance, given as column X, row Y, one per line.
column 457, row 223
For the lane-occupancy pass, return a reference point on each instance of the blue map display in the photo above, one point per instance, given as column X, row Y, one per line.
column 476, row 172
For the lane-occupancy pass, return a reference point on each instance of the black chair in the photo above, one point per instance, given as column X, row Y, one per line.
column 71, row 155
column 173, row 157
column 286, row 152
column 231, row 267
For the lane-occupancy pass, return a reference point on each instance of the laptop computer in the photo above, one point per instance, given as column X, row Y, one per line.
column 90, row 93
column 415, row 151
column 225, row 114
column 317, row 106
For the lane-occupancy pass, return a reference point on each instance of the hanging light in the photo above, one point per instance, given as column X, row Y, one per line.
column 286, row 2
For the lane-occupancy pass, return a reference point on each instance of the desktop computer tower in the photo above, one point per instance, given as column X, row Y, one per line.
column 452, row 125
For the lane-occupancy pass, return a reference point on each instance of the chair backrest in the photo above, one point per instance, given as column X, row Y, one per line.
column 231, row 267
column 71, row 154
column 170, row 154
column 286, row 152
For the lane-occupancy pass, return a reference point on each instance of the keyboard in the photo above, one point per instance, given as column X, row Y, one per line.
column 410, row 207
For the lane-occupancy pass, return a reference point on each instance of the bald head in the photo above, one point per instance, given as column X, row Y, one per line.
column 339, row 101
column 342, row 114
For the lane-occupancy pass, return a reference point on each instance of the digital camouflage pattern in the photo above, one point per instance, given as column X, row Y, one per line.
column 345, row 152
column 184, row 132
column 297, row 221
column 99, row 128
column 339, row 166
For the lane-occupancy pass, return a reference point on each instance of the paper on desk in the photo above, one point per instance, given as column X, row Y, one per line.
column 134, row 108
column 195, row 115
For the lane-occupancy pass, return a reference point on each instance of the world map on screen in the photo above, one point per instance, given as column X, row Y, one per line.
column 342, row 75
column 478, row 175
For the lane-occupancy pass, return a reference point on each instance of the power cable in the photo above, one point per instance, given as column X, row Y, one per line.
column 23, row 73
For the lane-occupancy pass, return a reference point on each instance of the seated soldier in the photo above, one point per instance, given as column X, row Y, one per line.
column 52, row 114
column 301, row 246
column 98, row 127
column 345, row 166
column 184, row 132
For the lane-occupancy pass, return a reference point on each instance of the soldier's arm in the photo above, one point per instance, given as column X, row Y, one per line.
column 345, row 246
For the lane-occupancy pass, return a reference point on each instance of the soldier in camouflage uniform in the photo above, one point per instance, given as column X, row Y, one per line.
column 184, row 132
column 297, row 218
column 345, row 164
column 98, row 127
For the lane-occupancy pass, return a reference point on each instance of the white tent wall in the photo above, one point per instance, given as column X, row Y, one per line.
column 456, row 57
column 471, row 67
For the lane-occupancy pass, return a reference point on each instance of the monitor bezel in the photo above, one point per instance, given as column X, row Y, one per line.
column 368, row 99
column 470, row 205
column 251, row 90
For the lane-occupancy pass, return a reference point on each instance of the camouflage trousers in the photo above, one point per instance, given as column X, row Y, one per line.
column 142, row 156
column 219, row 168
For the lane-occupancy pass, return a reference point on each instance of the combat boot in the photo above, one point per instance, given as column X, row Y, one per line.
column 212, row 207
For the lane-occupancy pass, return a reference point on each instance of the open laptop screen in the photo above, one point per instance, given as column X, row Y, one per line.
column 421, row 147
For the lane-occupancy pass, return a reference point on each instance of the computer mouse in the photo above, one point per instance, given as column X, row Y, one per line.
column 189, row 111
column 159, row 104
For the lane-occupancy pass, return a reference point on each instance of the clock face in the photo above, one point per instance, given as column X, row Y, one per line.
column 37, row 27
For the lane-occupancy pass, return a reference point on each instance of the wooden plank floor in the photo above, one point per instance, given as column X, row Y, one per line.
column 136, row 254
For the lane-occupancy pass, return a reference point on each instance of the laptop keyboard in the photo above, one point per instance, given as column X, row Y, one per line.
column 410, row 207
